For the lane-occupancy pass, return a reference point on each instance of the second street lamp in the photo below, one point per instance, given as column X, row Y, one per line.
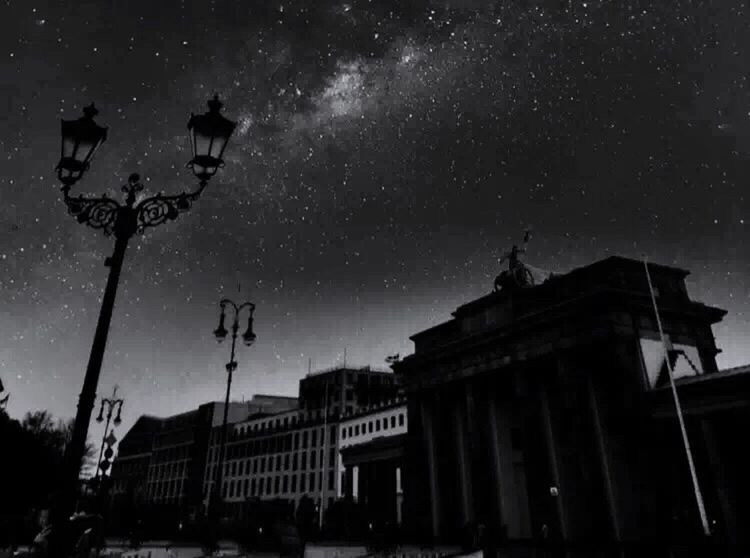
column 216, row 495
column 111, row 403
column 81, row 138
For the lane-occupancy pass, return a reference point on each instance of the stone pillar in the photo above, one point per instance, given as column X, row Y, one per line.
column 552, row 455
column 718, row 472
column 502, row 466
column 603, row 454
column 460, row 422
column 399, row 496
column 431, row 460
column 355, row 483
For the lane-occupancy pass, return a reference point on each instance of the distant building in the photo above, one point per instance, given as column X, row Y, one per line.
column 162, row 460
column 288, row 455
column 278, row 448
column 370, row 461
column 546, row 411
column 131, row 468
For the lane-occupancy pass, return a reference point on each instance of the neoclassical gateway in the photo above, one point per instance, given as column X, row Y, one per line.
column 545, row 410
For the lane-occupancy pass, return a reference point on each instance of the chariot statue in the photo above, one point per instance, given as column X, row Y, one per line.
column 517, row 275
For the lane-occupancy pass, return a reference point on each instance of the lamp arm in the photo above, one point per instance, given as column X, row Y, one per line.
column 159, row 209
column 228, row 302
column 247, row 305
column 97, row 213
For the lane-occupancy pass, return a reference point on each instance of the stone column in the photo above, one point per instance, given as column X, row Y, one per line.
column 399, row 496
column 461, row 425
column 502, row 466
column 431, row 460
column 553, row 458
column 718, row 472
column 355, row 483
column 603, row 454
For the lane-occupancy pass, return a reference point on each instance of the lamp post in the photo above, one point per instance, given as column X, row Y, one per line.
column 111, row 404
column 249, row 338
column 81, row 138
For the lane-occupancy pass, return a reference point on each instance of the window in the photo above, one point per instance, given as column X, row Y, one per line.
column 285, row 486
column 312, row 482
column 304, row 439
column 343, row 434
column 314, row 438
column 252, row 487
column 331, row 456
column 278, row 463
column 286, row 462
column 377, row 425
column 312, row 459
column 260, row 486
column 393, row 421
column 276, row 482
column 245, row 494
column 296, row 440
column 401, row 419
column 294, row 483
column 255, row 465
column 369, row 427
column 330, row 480
column 262, row 464
column 302, row 480
column 356, row 430
column 294, row 462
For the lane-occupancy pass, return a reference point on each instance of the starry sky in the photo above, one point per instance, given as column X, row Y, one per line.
column 387, row 154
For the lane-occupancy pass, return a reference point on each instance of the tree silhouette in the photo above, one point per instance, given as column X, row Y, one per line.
column 32, row 463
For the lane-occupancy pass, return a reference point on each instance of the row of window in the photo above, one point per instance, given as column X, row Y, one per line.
column 169, row 489
column 274, row 486
column 169, row 470
column 276, row 444
column 170, row 454
column 269, row 464
column 274, row 424
column 371, row 426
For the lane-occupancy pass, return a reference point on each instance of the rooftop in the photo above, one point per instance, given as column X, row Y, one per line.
column 347, row 369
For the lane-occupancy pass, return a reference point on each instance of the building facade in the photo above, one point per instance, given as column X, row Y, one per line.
column 370, row 460
column 280, row 449
column 295, row 454
column 162, row 460
column 546, row 411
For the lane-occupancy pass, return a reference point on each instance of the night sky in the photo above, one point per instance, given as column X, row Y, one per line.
column 387, row 154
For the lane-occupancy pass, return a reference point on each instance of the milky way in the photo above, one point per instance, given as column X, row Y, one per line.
column 386, row 155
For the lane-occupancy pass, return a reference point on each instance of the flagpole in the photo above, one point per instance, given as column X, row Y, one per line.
column 678, row 407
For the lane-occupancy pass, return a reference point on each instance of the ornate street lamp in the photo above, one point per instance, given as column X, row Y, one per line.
column 248, row 338
column 111, row 403
column 80, row 140
column 210, row 133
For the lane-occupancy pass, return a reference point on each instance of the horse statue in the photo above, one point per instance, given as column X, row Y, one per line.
column 517, row 275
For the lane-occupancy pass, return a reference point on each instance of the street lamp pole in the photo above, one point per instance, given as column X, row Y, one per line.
column 81, row 138
column 249, row 338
